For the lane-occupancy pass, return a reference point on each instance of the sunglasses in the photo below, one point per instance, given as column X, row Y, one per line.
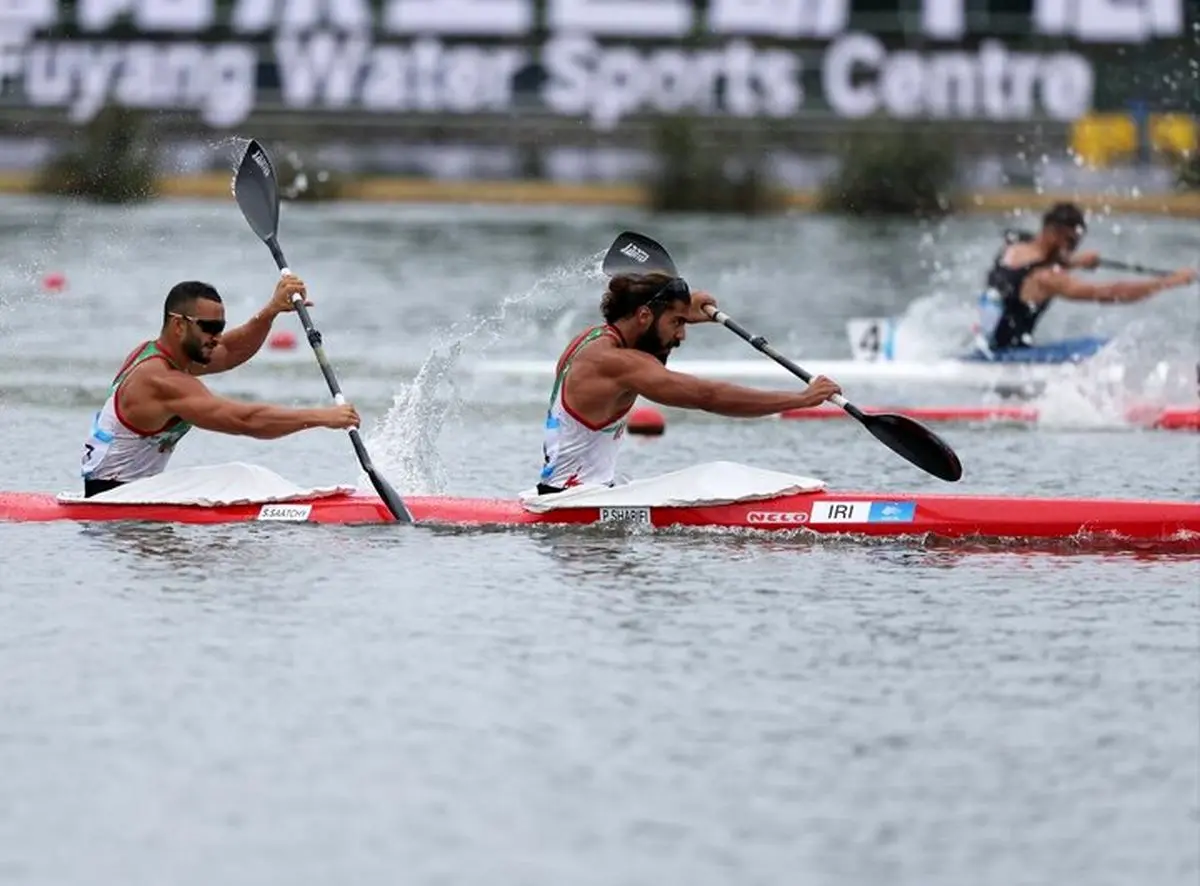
column 677, row 288
column 208, row 327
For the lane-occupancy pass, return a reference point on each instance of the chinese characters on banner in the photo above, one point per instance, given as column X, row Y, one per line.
column 601, row 60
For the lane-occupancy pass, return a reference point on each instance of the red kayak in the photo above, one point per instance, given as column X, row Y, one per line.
column 1174, row 418
column 1172, row 524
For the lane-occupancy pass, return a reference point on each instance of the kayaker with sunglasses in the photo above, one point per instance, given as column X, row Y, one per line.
column 606, row 368
column 156, row 397
column 1030, row 272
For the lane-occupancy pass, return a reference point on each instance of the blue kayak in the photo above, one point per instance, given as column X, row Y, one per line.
column 1069, row 350
column 874, row 339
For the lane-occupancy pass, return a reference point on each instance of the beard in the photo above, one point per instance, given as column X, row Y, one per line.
column 650, row 342
column 194, row 351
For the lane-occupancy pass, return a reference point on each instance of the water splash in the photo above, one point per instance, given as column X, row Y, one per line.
column 233, row 147
column 935, row 327
column 1138, row 373
column 404, row 442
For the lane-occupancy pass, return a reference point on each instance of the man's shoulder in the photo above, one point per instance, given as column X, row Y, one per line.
column 1046, row 281
column 1019, row 256
column 161, row 375
column 1049, row 272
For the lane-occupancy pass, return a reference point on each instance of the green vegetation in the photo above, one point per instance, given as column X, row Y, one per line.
column 302, row 180
column 899, row 171
column 1187, row 171
column 697, row 177
column 112, row 161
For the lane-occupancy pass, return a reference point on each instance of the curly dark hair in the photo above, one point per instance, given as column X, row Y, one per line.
column 628, row 292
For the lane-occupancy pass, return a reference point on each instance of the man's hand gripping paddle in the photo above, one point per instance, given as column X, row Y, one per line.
column 633, row 253
column 257, row 193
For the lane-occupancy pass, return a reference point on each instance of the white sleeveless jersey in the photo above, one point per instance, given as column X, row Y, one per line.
column 114, row 450
column 576, row 452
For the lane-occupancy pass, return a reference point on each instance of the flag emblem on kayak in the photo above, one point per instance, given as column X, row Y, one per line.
column 892, row 512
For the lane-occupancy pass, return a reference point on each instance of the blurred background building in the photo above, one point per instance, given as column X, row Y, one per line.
column 1025, row 93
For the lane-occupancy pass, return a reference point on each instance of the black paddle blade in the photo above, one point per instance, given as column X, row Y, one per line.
column 915, row 442
column 256, row 191
column 634, row 253
column 390, row 498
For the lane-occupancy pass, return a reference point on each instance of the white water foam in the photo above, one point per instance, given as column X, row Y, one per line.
column 1140, row 370
column 938, row 325
column 934, row 327
column 404, row 442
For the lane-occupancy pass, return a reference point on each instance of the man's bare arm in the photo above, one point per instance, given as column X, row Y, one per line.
column 242, row 342
column 193, row 402
column 1060, row 283
column 648, row 378
column 238, row 344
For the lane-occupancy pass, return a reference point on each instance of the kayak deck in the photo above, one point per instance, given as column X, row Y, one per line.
column 857, row 513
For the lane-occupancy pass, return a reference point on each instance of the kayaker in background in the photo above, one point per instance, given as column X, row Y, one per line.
column 156, row 398
column 606, row 368
column 1030, row 272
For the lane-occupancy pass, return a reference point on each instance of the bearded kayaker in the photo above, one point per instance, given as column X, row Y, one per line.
column 156, row 397
column 606, row 368
column 1029, row 274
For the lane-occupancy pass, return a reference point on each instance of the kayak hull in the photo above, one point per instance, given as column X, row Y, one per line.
column 877, row 340
column 1070, row 350
column 856, row 513
column 1180, row 418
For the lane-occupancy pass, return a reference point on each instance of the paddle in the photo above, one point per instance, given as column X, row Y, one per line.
column 636, row 253
column 256, row 190
column 633, row 253
column 1013, row 235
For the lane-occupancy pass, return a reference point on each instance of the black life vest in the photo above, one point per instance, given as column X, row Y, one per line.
column 1018, row 318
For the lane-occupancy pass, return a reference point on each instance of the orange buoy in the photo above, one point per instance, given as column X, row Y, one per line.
column 646, row 420
column 282, row 340
column 54, row 281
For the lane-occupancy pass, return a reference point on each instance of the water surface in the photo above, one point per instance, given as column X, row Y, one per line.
column 255, row 704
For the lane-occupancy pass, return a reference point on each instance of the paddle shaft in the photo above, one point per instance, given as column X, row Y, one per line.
column 314, row 336
column 760, row 344
column 1136, row 269
column 314, row 339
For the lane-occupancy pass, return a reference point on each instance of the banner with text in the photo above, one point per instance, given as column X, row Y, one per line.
column 600, row 60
